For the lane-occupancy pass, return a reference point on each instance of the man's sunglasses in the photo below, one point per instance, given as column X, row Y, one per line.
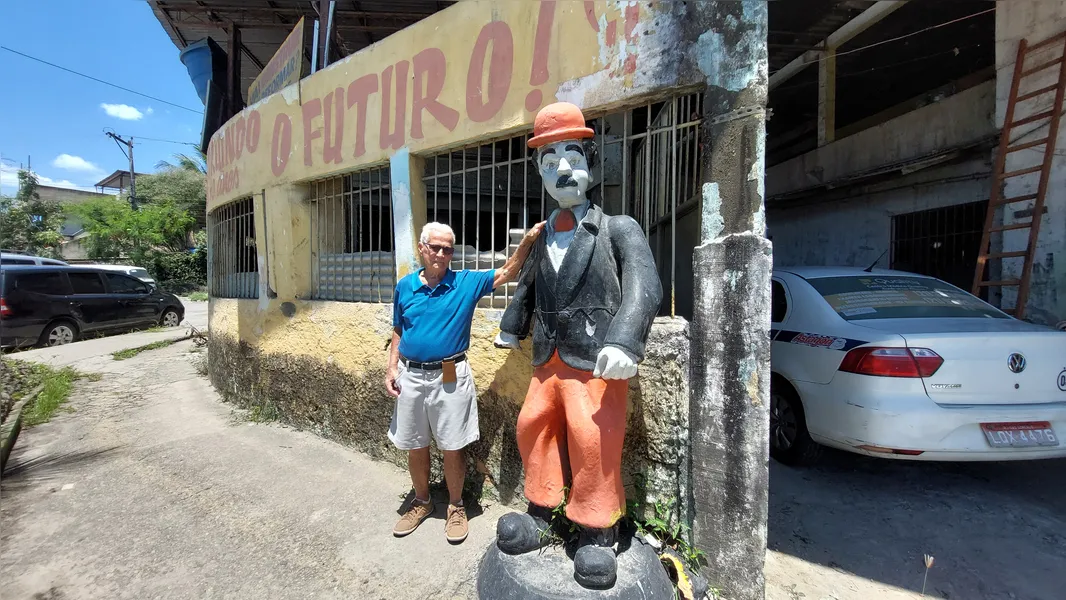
column 437, row 249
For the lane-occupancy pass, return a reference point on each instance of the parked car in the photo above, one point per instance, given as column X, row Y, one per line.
column 16, row 258
column 899, row 365
column 138, row 272
column 55, row 305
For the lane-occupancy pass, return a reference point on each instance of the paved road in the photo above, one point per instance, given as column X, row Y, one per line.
column 152, row 488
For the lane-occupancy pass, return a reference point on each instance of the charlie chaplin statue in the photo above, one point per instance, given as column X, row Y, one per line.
column 590, row 289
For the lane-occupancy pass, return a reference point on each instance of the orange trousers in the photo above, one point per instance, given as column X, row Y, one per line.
column 570, row 431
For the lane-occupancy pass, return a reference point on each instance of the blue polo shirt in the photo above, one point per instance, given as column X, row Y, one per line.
column 435, row 323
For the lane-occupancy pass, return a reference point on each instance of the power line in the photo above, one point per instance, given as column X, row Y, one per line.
column 898, row 38
column 142, row 138
column 125, row 89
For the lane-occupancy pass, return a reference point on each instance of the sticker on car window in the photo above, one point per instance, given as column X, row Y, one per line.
column 851, row 312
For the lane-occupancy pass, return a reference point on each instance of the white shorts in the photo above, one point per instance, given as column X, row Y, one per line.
column 427, row 405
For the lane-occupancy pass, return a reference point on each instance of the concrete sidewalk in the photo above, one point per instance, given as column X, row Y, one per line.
column 152, row 488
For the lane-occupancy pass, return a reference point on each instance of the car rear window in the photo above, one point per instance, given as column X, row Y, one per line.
column 53, row 284
column 120, row 284
column 86, row 283
column 861, row 298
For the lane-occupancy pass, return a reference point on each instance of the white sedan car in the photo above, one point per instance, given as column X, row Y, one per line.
column 899, row 365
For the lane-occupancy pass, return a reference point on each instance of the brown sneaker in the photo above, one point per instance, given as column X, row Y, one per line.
column 455, row 528
column 412, row 518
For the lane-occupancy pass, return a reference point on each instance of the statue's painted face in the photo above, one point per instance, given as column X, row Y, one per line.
column 565, row 171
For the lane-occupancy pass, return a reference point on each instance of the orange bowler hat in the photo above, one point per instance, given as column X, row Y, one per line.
column 557, row 122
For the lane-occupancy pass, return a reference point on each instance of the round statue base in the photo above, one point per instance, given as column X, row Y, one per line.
column 549, row 574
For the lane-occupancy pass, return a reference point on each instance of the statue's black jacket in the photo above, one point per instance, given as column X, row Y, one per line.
column 607, row 292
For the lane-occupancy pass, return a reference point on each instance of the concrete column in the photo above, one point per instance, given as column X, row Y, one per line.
column 827, row 97
column 408, row 209
column 730, row 345
column 286, row 241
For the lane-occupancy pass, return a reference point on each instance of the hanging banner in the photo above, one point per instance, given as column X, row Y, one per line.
column 285, row 68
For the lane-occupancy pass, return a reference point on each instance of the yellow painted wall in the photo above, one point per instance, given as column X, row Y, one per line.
column 479, row 69
column 353, row 335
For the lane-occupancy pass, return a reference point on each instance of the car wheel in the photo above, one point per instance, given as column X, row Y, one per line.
column 59, row 333
column 790, row 442
column 170, row 318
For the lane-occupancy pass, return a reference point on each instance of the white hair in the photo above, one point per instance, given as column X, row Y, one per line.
column 435, row 227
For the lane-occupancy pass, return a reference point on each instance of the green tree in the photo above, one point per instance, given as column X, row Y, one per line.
column 184, row 162
column 181, row 183
column 117, row 230
column 28, row 223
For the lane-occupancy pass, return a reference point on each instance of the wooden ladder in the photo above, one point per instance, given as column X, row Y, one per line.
column 997, row 197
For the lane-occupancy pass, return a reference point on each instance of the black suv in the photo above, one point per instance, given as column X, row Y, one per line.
column 50, row 306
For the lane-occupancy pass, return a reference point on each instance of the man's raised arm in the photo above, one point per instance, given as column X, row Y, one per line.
column 510, row 269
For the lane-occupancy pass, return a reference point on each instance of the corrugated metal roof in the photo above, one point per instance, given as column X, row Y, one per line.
column 264, row 24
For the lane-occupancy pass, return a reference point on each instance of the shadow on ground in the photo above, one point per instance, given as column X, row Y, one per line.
column 997, row 530
column 50, row 465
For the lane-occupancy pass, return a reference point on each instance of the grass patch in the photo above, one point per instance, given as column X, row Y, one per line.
column 198, row 296
column 131, row 352
column 263, row 413
column 57, row 385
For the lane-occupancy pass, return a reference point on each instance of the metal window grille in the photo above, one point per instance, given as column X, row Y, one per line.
column 650, row 164
column 489, row 194
column 941, row 242
column 233, row 262
column 647, row 167
column 352, row 256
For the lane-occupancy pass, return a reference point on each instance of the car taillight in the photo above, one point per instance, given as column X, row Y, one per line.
column 5, row 310
column 891, row 362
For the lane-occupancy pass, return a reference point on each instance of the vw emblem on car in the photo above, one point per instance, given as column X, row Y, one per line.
column 1016, row 363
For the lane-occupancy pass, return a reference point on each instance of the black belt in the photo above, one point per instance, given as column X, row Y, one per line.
column 432, row 366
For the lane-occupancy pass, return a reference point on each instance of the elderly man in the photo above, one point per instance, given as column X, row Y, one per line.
column 428, row 373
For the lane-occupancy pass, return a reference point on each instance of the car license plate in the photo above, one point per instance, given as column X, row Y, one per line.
column 1019, row 435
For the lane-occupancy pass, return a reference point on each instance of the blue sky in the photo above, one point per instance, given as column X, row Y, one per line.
column 58, row 118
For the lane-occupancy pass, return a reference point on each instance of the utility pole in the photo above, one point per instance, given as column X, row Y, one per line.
column 133, row 175
column 729, row 409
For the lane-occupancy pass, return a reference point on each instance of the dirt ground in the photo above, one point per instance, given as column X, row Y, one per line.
column 858, row 527
column 152, row 488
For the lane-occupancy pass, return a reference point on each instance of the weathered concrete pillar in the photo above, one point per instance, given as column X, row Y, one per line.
column 408, row 209
column 730, row 357
column 285, row 237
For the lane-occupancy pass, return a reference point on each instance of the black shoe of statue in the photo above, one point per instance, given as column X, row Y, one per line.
column 595, row 565
column 518, row 533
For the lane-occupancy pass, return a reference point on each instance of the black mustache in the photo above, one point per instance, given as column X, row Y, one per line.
column 565, row 181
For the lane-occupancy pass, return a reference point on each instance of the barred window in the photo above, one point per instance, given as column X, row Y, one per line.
column 233, row 263
column 651, row 161
column 352, row 256
column 647, row 167
column 489, row 194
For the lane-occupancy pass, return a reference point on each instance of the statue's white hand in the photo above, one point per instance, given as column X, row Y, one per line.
column 615, row 363
column 506, row 340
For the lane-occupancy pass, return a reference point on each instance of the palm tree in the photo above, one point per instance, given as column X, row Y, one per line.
column 184, row 162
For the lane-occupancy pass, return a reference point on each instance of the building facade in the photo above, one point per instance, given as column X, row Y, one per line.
column 316, row 196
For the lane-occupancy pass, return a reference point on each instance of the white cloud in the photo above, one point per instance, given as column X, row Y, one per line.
column 122, row 111
column 9, row 181
column 149, row 111
column 75, row 163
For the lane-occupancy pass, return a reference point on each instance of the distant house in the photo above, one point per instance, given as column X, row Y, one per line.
column 74, row 235
column 119, row 181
